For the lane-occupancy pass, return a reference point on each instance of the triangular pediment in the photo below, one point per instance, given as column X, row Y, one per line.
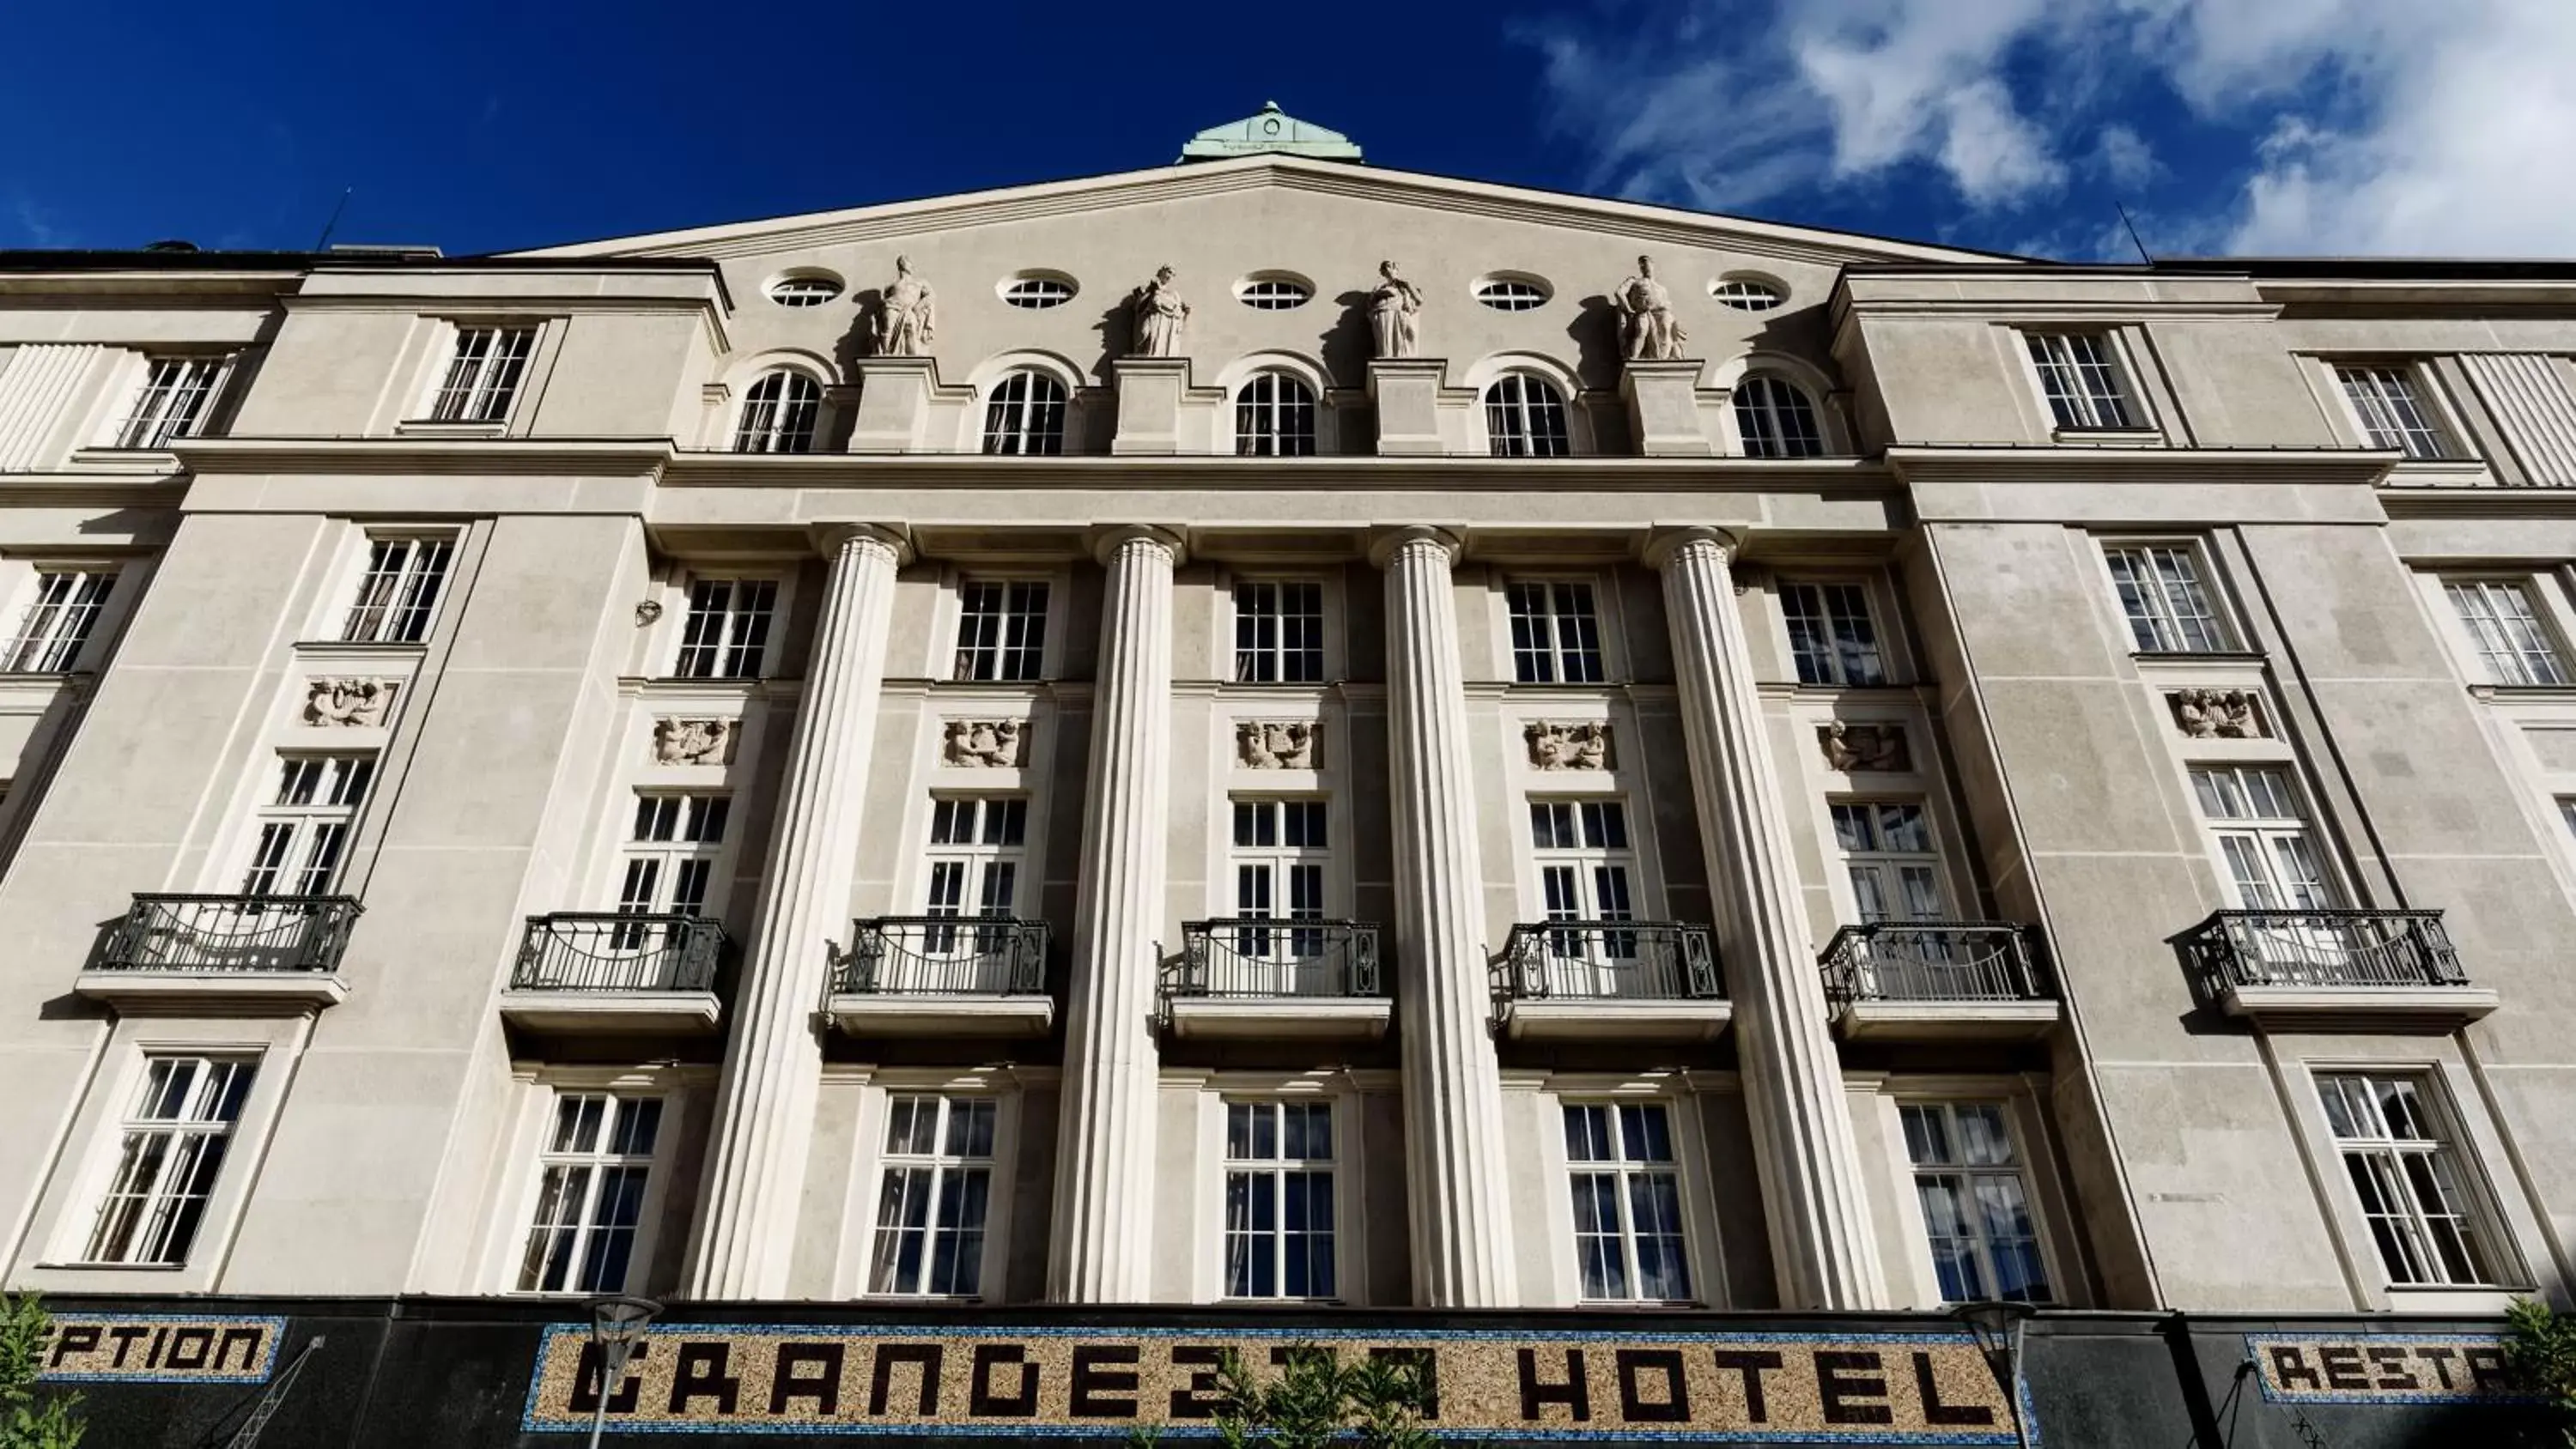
column 1271, row 131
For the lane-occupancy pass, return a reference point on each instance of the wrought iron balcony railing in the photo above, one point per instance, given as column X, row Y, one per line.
column 196, row 933
column 1608, row 961
column 1950, row 961
column 604, row 951
column 2358, row 950
column 1246, row 957
column 944, row 956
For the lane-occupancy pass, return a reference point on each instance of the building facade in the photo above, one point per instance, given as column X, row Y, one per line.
column 894, row 765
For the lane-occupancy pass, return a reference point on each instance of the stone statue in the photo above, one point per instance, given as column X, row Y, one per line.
column 1395, row 314
column 1275, row 744
column 906, row 314
column 1647, row 326
column 1160, row 316
column 983, row 744
column 1583, row 746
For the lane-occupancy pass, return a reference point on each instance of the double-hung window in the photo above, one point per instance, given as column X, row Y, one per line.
column 669, row 863
column 1556, row 633
column 1887, row 848
column 2164, row 598
column 976, row 844
column 1281, row 849
column 57, row 620
column 2079, row 380
column 398, row 595
column 727, row 632
column 1831, row 636
column 173, row 1141
column 304, row 828
column 2407, row 1178
column 935, row 1196
column 1585, row 864
column 1976, row 1206
column 1001, row 629
column 1278, row 633
column 592, row 1175
column 2512, row 643
column 483, row 374
column 2391, row 410
column 1279, row 1222
column 1627, row 1192
column 172, row 402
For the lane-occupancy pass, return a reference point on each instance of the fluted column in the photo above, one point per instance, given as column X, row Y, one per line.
column 1453, row 1101
column 773, row 1062
column 1822, row 1250
column 1104, row 1181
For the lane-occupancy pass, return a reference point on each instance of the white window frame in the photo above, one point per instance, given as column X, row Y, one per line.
column 1831, row 595
column 1554, row 614
column 1779, row 408
column 1511, row 294
column 1625, row 1169
column 1045, row 644
column 2491, row 639
column 598, row 1161
column 2170, row 627
column 1276, row 652
column 1572, row 883
column 163, row 1195
column 53, row 633
column 177, row 403
column 2479, row 1210
column 487, row 388
column 1274, row 399
column 395, row 613
column 788, row 420
column 2115, row 407
column 1278, row 1168
column 744, row 625
column 2018, row 1169
column 2378, row 415
column 302, row 830
column 669, row 831
column 1893, row 869
column 1028, row 413
column 2265, row 841
column 1527, row 416
column 942, row 1168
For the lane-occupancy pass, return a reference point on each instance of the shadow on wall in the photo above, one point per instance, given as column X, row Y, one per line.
column 1595, row 331
column 1345, row 344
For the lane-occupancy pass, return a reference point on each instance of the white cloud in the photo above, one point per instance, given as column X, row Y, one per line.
column 2124, row 157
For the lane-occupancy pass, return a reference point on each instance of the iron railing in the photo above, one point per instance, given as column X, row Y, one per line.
column 2346, row 948
column 1251, row 956
column 604, row 951
column 1608, row 961
column 231, row 933
column 1933, row 961
column 944, row 956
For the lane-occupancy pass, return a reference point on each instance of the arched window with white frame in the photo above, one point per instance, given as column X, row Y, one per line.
column 1274, row 417
column 779, row 414
column 1025, row 416
column 1525, row 418
column 1775, row 420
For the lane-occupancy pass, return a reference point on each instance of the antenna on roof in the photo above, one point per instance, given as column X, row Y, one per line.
column 333, row 224
column 2133, row 234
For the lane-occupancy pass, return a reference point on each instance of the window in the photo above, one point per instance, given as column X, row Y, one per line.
column 779, row 414
column 1036, row 294
column 173, row 1143
column 2392, row 414
column 1279, row 1234
column 1627, row 1202
column 2254, row 813
column 172, row 401
column 1025, row 416
column 974, row 859
column 1525, row 418
column 1976, row 1210
column 727, row 631
column 1280, row 850
column 1274, row 417
column 1001, row 629
column 304, row 827
column 802, row 292
column 1775, row 420
column 399, row 594
column 1744, row 294
column 936, row 1194
column 2167, row 606
column 670, row 858
column 590, row 1193
column 1511, row 294
column 1830, row 634
column 2506, row 630
column 483, row 375
column 1887, row 847
column 1273, row 294
column 2076, row 375
column 1279, row 633
column 1556, row 637
column 1585, row 865
column 2407, row 1178
column 58, row 620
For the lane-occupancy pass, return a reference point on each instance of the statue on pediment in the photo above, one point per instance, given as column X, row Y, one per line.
column 907, row 314
column 1160, row 316
column 1648, row 329
column 1395, row 314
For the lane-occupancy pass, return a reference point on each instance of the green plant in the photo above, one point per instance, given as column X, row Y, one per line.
column 2540, row 1353
column 1317, row 1399
column 30, row 1418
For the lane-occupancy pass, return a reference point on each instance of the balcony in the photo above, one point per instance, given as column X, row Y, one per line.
column 1937, row 981
column 2334, row 970
column 943, row 976
column 1629, row 981
column 591, row 972
column 1252, row 977
column 232, row 955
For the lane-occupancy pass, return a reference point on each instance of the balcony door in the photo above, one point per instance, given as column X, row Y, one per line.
column 669, row 864
column 2260, row 824
column 976, row 844
column 1586, row 870
column 1281, row 849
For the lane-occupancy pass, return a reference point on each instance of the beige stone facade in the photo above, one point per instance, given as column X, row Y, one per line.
column 2026, row 618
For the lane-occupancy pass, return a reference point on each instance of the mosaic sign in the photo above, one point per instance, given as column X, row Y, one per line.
column 1747, row 1388
column 161, row 1349
column 2381, row 1368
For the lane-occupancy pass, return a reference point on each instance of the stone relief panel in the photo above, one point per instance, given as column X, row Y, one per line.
column 1278, row 744
column 2219, row 714
column 1849, row 747
column 350, row 703
column 694, row 741
column 985, row 744
column 1584, row 745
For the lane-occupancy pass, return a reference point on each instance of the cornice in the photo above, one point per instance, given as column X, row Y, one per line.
column 2488, row 502
column 587, row 457
column 1366, row 473
column 2011, row 463
column 91, row 490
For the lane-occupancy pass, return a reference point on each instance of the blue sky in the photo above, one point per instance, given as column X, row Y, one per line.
column 2284, row 126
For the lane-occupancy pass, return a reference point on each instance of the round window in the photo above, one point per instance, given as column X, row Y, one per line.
column 1038, row 291
column 804, row 289
column 1511, row 293
column 1273, row 292
column 1747, row 293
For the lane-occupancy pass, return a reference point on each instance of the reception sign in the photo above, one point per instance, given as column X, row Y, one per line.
column 2381, row 1368
column 161, row 1348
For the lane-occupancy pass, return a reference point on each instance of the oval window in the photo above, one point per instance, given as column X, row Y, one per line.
column 1039, row 290
column 807, row 290
column 1273, row 292
column 1748, row 294
column 1512, row 294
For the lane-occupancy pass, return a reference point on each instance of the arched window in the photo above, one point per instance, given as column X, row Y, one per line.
column 1025, row 416
column 779, row 414
column 1274, row 417
column 1776, row 420
column 1525, row 417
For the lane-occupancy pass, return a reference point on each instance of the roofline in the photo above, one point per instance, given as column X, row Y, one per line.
column 138, row 260
column 2398, row 269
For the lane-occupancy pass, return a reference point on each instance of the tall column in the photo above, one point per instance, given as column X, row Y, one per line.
column 1453, row 1095
column 1104, row 1181
column 773, row 1063
column 1821, row 1245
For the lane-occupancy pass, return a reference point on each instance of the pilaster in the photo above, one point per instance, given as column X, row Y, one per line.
column 894, row 404
column 1149, row 403
column 1406, row 391
column 1663, row 408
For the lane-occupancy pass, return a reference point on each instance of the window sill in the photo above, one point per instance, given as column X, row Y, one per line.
column 2526, row 693
column 1639, row 1305
column 2110, row 437
column 361, row 646
column 426, row 428
column 2440, row 473
column 2196, row 656
column 84, row 1266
